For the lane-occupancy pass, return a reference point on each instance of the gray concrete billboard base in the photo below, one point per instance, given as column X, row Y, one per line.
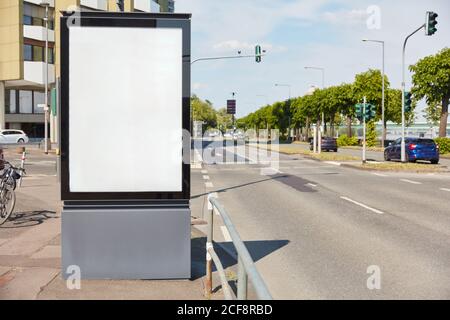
column 124, row 243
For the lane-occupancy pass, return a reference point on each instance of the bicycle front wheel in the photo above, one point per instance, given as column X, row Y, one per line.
column 8, row 201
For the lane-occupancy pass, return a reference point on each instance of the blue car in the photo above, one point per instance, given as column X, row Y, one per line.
column 416, row 149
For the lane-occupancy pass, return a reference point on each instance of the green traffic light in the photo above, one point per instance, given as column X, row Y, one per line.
column 258, row 53
column 408, row 101
column 430, row 24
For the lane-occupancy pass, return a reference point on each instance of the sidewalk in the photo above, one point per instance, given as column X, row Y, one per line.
column 30, row 251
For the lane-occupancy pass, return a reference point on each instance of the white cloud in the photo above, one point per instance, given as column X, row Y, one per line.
column 246, row 47
column 346, row 17
column 199, row 86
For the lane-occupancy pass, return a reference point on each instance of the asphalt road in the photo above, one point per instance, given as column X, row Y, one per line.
column 315, row 229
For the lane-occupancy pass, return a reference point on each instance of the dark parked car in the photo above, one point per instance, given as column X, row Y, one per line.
column 416, row 149
column 328, row 144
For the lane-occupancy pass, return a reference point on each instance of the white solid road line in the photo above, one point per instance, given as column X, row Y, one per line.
column 362, row 205
column 226, row 234
column 410, row 181
column 379, row 174
column 311, row 185
column 334, row 163
column 445, row 189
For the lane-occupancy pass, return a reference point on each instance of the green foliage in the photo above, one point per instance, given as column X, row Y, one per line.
column 224, row 120
column 371, row 135
column 369, row 84
column 431, row 80
column 203, row 111
column 444, row 145
column 344, row 140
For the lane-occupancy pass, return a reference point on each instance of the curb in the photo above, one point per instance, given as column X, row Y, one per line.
column 446, row 170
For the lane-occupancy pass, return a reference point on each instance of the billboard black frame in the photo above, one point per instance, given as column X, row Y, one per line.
column 125, row 20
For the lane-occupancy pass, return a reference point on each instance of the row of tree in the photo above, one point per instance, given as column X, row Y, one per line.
column 204, row 111
column 431, row 80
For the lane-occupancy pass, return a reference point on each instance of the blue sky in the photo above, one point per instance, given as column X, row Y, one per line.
column 298, row 33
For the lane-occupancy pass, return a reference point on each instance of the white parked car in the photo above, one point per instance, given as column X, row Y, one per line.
column 13, row 136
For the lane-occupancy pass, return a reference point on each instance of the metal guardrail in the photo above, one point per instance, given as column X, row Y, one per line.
column 246, row 266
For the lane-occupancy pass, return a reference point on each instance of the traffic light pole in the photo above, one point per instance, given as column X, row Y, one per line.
column 403, row 144
column 364, row 132
column 225, row 57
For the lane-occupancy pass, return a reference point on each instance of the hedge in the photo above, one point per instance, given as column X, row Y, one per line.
column 344, row 140
column 444, row 145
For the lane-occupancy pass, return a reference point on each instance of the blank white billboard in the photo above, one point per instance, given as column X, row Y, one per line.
column 125, row 115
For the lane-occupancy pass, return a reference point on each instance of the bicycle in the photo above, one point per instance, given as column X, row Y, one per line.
column 7, row 186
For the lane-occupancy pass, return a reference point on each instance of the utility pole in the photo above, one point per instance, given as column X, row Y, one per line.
column 46, row 108
column 364, row 132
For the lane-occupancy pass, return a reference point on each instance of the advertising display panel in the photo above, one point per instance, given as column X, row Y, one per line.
column 125, row 102
column 125, row 145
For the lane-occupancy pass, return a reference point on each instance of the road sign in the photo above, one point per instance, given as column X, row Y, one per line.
column 231, row 106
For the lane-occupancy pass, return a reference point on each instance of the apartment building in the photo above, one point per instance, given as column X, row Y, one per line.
column 22, row 56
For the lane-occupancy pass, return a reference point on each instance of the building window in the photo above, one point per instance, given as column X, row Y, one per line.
column 28, row 52
column 39, row 98
column 27, row 20
column 34, row 16
column 25, row 101
column 10, row 101
column 37, row 53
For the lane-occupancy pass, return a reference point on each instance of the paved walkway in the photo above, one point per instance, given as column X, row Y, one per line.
column 30, row 249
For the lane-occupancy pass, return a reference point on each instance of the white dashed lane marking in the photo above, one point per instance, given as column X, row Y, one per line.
column 445, row 189
column 379, row 174
column 209, row 184
column 410, row 181
column 362, row 205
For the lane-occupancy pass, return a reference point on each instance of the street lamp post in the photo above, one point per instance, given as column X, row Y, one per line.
column 383, row 135
column 323, row 87
column 288, row 86
column 46, row 3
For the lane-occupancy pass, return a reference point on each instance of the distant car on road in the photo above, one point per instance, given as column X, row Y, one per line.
column 416, row 149
column 328, row 144
column 13, row 136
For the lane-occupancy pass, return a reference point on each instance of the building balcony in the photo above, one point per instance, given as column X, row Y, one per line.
column 146, row 6
column 38, row 33
column 35, row 72
column 95, row 4
column 33, row 76
column 38, row 2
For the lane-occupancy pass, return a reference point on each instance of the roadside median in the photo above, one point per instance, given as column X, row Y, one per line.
column 397, row 167
column 353, row 162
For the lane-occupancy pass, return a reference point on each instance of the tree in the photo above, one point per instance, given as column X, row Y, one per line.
column 203, row 111
column 431, row 80
column 371, row 136
column 369, row 84
column 224, row 120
